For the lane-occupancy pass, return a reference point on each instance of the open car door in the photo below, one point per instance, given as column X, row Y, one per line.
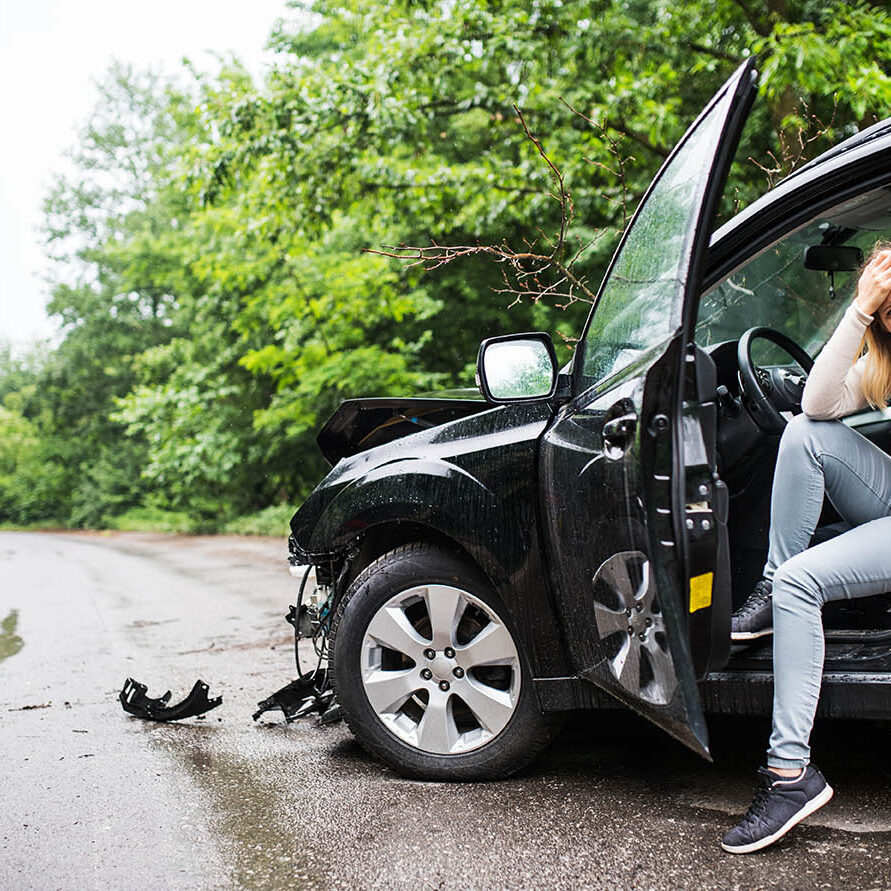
column 634, row 510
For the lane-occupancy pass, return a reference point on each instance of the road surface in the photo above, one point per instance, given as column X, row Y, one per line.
column 93, row 798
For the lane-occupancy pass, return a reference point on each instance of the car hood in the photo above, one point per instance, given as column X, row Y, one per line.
column 361, row 424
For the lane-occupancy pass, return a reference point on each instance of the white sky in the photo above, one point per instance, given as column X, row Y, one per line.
column 51, row 54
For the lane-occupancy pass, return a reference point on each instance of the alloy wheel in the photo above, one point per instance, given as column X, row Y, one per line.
column 632, row 629
column 440, row 669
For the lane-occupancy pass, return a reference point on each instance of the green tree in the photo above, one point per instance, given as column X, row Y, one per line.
column 111, row 233
column 207, row 247
column 30, row 474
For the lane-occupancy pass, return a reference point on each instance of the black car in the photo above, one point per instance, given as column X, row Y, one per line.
column 578, row 539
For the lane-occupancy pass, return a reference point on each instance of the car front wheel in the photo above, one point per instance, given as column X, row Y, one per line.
column 430, row 675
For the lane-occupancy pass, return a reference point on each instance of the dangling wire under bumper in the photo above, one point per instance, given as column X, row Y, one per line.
column 310, row 692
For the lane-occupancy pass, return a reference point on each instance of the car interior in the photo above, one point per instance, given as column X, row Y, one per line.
column 800, row 287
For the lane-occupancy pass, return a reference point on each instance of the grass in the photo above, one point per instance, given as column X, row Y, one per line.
column 153, row 519
column 271, row 521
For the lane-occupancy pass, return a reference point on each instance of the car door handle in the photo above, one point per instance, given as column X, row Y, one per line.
column 618, row 431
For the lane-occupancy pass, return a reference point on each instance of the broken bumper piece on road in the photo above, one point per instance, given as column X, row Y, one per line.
column 134, row 701
column 302, row 697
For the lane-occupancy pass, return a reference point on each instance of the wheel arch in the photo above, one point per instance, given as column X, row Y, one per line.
column 395, row 503
column 384, row 537
column 494, row 527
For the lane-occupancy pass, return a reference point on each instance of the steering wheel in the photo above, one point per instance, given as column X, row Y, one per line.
column 769, row 391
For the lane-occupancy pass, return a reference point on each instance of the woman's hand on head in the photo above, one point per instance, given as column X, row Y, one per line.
column 874, row 285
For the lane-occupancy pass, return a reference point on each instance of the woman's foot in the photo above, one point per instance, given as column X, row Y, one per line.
column 755, row 617
column 780, row 803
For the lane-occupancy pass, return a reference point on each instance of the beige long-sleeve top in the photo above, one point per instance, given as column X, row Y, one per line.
column 834, row 386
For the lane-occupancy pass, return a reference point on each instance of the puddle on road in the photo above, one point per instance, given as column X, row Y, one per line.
column 264, row 854
column 10, row 642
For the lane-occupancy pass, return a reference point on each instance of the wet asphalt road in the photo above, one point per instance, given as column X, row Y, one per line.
column 92, row 798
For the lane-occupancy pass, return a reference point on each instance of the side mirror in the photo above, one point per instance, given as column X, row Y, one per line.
column 517, row 368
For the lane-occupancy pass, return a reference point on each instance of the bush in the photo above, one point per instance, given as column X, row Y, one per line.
column 269, row 521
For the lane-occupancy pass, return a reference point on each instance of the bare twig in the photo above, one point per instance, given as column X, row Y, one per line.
column 527, row 267
column 794, row 147
column 567, row 340
column 563, row 197
column 545, row 266
column 615, row 151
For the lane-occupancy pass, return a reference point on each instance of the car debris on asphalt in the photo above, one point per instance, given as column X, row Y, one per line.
column 134, row 700
column 309, row 693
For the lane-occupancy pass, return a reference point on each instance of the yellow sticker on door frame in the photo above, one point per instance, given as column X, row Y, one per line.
column 701, row 591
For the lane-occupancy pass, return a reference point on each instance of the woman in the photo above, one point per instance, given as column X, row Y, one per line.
column 817, row 458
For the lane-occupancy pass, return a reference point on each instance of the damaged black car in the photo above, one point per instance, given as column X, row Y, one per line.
column 577, row 539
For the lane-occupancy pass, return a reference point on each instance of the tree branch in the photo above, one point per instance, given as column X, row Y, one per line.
column 640, row 139
column 530, row 272
column 794, row 144
column 717, row 53
column 407, row 187
column 760, row 28
column 615, row 152
column 528, row 266
column 564, row 198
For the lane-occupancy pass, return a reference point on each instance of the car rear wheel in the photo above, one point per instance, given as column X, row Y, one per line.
column 430, row 675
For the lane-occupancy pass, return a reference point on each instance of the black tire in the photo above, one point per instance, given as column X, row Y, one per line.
column 527, row 731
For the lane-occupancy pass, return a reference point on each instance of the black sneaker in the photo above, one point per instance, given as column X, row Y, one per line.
column 755, row 617
column 780, row 803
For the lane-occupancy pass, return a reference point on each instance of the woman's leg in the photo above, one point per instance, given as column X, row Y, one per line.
column 855, row 564
column 818, row 457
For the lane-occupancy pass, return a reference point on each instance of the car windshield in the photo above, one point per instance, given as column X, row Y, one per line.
column 775, row 289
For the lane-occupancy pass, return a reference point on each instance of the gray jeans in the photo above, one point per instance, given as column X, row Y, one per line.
column 818, row 457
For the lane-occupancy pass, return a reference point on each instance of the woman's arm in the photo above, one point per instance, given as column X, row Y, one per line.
column 833, row 387
column 874, row 284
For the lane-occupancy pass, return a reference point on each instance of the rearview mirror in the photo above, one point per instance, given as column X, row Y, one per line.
column 833, row 257
column 517, row 367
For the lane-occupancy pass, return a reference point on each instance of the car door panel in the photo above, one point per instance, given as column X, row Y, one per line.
column 635, row 512
column 706, row 513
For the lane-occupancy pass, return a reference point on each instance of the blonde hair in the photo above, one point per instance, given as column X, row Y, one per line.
column 876, row 346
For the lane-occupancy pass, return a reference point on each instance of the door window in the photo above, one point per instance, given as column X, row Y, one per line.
column 640, row 302
column 775, row 289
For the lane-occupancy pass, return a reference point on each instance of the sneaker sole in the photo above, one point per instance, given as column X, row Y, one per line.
column 750, row 635
column 813, row 805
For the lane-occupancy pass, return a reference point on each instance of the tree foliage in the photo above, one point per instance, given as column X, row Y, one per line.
column 206, row 247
